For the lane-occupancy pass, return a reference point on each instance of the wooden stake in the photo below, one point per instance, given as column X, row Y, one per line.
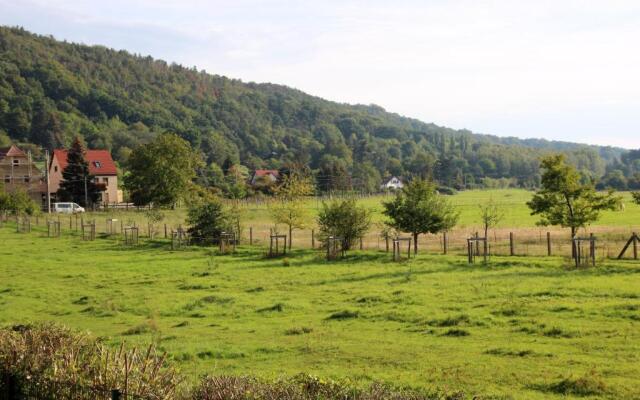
column 511, row 243
column 549, row 243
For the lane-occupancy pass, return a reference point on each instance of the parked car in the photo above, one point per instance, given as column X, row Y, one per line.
column 67, row 208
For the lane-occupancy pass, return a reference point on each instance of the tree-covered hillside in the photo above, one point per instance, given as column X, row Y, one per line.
column 51, row 91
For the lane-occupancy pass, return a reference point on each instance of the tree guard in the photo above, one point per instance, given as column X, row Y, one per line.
column 585, row 251
column 397, row 247
column 474, row 249
column 335, row 248
column 131, row 235
column 111, row 226
column 53, row 229
column 227, row 242
column 277, row 249
column 89, row 231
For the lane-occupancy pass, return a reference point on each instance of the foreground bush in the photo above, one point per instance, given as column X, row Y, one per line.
column 38, row 355
column 42, row 354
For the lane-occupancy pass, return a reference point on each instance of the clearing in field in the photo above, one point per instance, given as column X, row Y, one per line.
column 525, row 327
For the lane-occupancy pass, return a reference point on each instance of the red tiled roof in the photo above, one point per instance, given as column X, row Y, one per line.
column 100, row 161
column 265, row 172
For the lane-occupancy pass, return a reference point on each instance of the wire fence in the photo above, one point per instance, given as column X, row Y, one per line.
column 500, row 242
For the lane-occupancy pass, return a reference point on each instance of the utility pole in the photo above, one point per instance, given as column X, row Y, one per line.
column 46, row 176
column 86, row 196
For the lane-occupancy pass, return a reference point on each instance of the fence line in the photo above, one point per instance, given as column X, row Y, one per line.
column 501, row 242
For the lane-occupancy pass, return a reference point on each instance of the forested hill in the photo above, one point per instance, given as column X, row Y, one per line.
column 51, row 91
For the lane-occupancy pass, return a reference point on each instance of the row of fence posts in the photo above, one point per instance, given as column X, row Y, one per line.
column 227, row 243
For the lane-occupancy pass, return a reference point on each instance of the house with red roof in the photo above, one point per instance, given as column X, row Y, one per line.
column 101, row 166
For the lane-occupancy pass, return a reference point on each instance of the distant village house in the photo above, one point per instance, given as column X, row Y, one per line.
column 19, row 172
column 101, row 166
column 393, row 183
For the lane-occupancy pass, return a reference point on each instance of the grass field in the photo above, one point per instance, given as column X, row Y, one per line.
column 523, row 327
column 513, row 202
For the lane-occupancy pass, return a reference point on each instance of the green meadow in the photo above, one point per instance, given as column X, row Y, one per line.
column 521, row 328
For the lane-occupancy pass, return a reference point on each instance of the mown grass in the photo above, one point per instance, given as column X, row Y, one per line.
column 529, row 328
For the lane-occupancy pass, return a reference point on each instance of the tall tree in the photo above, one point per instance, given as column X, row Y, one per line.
column 564, row 201
column 77, row 183
column 161, row 172
column 418, row 208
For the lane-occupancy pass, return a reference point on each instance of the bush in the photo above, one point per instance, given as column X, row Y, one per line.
column 208, row 221
column 345, row 219
column 17, row 202
column 44, row 354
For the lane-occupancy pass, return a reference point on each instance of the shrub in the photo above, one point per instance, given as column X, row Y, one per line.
column 17, row 202
column 48, row 353
column 207, row 221
column 345, row 219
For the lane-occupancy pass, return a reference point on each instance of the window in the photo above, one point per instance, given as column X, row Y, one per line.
column 97, row 164
column 55, row 169
column 16, row 161
column 7, row 179
column 25, row 179
column 105, row 180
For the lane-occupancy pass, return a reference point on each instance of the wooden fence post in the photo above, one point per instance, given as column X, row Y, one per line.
column 313, row 239
column 548, row 243
column 635, row 246
column 444, row 243
column 511, row 243
column 165, row 231
column 251, row 235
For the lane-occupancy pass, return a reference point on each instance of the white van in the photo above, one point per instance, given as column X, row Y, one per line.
column 67, row 208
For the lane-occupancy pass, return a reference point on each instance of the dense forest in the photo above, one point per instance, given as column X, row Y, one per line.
column 51, row 91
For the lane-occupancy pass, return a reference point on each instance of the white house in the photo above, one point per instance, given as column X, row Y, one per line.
column 393, row 183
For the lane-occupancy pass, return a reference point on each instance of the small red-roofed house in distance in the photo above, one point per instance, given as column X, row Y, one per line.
column 101, row 166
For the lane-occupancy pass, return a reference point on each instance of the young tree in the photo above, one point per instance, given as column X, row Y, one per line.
column 490, row 215
column 207, row 221
column 345, row 219
column 564, row 201
column 162, row 171
column 636, row 197
column 77, row 183
column 289, row 210
column 17, row 202
column 418, row 208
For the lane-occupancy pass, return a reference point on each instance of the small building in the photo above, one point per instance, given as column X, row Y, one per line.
column 393, row 183
column 101, row 166
column 19, row 172
column 265, row 177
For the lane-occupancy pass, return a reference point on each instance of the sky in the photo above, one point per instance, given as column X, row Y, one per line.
column 560, row 70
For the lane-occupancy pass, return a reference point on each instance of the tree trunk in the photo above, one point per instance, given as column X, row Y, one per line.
column 415, row 243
